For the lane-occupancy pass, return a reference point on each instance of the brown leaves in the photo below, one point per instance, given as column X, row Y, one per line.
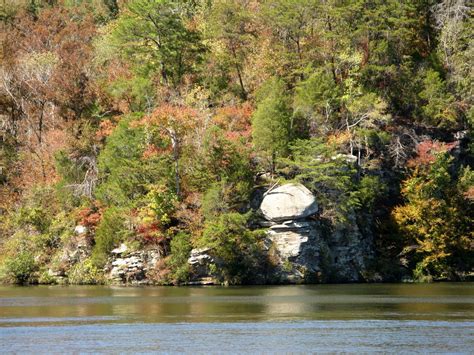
column 48, row 61
column 46, row 77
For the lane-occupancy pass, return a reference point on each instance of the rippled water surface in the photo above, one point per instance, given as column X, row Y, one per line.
column 398, row 318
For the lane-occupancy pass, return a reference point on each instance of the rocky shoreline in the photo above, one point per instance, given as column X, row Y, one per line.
column 296, row 242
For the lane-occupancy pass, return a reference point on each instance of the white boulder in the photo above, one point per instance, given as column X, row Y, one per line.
column 80, row 230
column 288, row 202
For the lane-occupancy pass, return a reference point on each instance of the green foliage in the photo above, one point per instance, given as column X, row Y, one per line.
column 215, row 201
column 37, row 210
column 271, row 121
column 237, row 249
column 438, row 108
column 227, row 27
column 125, row 175
column 160, row 204
column 221, row 159
column 85, row 273
column 153, row 35
column 19, row 269
column 67, row 169
column 318, row 99
column 369, row 190
column 224, row 172
column 178, row 262
column 329, row 175
column 228, row 164
column 226, row 159
column 292, row 24
column 111, row 230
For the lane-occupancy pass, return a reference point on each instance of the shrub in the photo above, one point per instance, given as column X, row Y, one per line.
column 178, row 261
column 437, row 219
column 85, row 273
column 38, row 209
column 125, row 173
column 19, row 268
column 215, row 201
column 111, row 230
column 237, row 249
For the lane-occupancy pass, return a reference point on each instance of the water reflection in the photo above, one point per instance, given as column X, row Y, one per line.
column 210, row 304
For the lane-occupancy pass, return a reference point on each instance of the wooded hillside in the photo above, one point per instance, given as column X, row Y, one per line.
column 156, row 123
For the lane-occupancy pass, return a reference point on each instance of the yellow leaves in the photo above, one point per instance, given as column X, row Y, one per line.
column 433, row 218
column 339, row 139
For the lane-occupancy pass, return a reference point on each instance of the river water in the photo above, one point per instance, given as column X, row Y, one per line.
column 357, row 318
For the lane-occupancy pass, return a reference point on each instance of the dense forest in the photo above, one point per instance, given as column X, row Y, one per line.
column 157, row 123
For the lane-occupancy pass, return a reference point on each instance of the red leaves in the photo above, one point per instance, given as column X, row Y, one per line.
column 90, row 217
column 64, row 37
column 235, row 120
column 106, row 128
column 175, row 116
column 427, row 151
column 150, row 233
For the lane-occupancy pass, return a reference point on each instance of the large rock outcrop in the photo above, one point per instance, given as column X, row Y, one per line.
column 131, row 267
column 200, row 262
column 304, row 251
column 300, row 247
column 296, row 248
column 288, row 202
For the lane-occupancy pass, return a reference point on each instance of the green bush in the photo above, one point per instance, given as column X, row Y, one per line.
column 237, row 249
column 215, row 201
column 369, row 189
column 178, row 261
column 37, row 209
column 85, row 273
column 125, row 176
column 19, row 268
column 111, row 230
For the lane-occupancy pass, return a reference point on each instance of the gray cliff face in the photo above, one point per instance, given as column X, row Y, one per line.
column 300, row 248
column 296, row 247
column 307, row 252
column 127, row 267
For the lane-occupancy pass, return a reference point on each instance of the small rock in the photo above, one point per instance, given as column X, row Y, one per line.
column 119, row 262
column 80, row 229
column 120, row 250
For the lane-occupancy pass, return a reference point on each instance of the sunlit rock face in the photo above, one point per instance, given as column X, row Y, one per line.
column 301, row 248
column 296, row 247
column 288, row 202
column 127, row 267
column 299, row 245
column 200, row 262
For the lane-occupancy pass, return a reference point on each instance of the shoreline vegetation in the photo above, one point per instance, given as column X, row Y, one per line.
column 231, row 142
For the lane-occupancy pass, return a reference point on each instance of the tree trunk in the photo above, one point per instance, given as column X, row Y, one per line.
column 239, row 74
column 175, row 145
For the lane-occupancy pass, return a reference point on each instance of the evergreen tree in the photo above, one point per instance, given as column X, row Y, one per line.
column 271, row 121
